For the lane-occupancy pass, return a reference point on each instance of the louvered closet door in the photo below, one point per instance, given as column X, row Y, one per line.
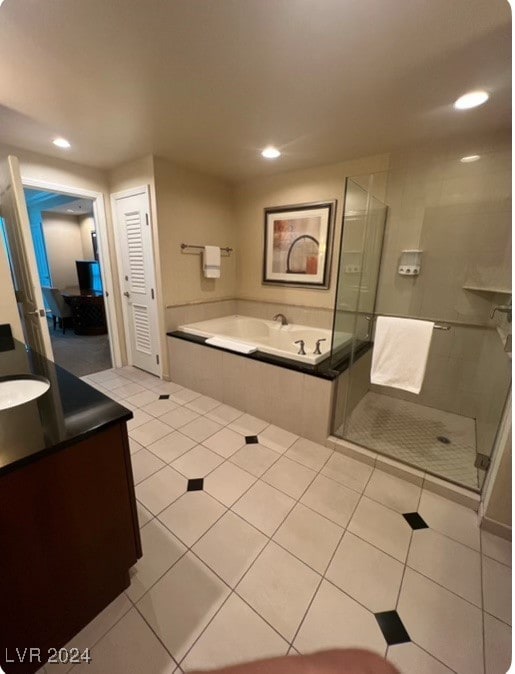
column 138, row 279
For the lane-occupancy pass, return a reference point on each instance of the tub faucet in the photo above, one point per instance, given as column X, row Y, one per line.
column 301, row 347
column 317, row 346
column 282, row 318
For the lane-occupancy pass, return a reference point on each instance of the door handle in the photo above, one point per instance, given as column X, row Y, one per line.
column 36, row 312
column 126, row 293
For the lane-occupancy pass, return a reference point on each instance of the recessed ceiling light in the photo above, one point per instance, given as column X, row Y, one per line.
column 70, row 210
column 270, row 152
column 471, row 100
column 61, row 142
column 470, row 158
column 1, row 2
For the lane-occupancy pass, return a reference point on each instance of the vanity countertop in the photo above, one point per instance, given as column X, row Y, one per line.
column 68, row 412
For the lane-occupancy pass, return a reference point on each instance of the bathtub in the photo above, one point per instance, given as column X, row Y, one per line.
column 271, row 337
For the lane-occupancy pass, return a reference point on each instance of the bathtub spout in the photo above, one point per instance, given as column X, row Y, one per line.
column 282, row 318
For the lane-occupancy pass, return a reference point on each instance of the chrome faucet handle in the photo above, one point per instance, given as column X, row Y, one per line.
column 317, row 346
column 301, row 347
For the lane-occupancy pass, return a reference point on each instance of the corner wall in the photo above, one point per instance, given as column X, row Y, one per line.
column 194, row 208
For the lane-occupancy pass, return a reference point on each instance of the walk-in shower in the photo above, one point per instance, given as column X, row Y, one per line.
column 459, row 216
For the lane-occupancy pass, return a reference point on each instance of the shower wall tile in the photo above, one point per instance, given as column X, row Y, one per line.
column 459, row 215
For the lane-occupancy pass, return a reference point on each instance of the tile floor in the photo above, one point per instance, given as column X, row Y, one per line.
column 259, row 543
column 409, row 431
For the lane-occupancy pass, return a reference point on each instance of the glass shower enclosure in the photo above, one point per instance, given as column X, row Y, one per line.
column 449, row 429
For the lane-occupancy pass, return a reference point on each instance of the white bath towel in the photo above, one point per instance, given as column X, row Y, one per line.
column 401, row 348
column 211, row 261
column 231, row 344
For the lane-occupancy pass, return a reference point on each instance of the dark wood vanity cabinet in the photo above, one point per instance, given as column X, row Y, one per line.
column 68, row 537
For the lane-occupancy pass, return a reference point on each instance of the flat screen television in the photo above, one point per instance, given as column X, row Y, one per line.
column 88, row 273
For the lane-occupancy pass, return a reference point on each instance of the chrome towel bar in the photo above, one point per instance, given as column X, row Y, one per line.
column 226, row 249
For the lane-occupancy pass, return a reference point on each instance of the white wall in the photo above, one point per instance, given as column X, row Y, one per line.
column 87, row 226
column 64, row 246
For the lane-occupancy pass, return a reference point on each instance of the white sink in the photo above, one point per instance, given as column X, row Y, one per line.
column 20, row 389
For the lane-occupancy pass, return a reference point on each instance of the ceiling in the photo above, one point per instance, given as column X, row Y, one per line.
column 208, row 83
column 57, row 203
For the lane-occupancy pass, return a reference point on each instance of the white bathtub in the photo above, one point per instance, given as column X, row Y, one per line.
column 270, row 336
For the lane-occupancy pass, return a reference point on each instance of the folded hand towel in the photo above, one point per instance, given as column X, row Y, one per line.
column 211, row 261
column 231, row 345
column 401, row 348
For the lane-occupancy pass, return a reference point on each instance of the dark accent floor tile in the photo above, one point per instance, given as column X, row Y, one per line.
column 392, row 628
column 197, row 484
column 415, row 521
column 251, row 439
column 164, row 396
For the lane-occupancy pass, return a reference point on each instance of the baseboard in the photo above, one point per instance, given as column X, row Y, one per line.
column 497, row 528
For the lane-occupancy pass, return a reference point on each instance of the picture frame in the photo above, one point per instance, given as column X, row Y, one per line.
column 298, row 243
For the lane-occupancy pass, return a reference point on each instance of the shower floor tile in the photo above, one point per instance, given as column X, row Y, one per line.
column 409, row 432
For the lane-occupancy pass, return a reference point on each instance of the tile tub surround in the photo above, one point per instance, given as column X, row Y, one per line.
column 300, row 403
column 253, row 572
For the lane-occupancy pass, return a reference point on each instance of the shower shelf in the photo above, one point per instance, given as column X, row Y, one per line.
column 484, row 289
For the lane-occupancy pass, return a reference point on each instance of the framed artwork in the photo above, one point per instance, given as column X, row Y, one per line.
column 297, row 244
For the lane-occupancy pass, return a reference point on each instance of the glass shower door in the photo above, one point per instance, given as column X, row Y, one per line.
column 360, row 257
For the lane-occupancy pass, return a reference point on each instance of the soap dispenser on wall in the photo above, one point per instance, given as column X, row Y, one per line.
column 409, row 262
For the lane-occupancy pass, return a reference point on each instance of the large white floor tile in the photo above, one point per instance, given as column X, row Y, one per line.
column 309, row 453
column 280, row 588
column 368, row 575
column 230, row 547
column 144, row 464
column 289, row 476
column 264, row 507
column 160, row 489
column 248, row 425
column 202, row 404
column 197, row 462
column 334, row 620
column 447, row 562
column 182, row 603
column 236, row 634
column 228, row 482
column 384, row 528
column 255, row 458
column 200, row 429
column 309, row 536
column 450, row 518
column 441, row 623
column 498, row 646
column 183, row 396
column 347, row 471
column 149, row 432
column 224, row 414
column 391, row 491
column 191, row 515
column 496, row 547
column 157, row 408
column 129, row 648
column 172, row 446
column 143, row 398
column 179, row 417
column 144, row 515
column 331, row 499
column 139, row 418
column 277, row 438
column 94, row 631
column 225, row 442
column 497, row 589
column 411, row 658
column 160, row 551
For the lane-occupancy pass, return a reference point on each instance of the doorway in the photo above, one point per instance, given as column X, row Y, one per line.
column 64, row 236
